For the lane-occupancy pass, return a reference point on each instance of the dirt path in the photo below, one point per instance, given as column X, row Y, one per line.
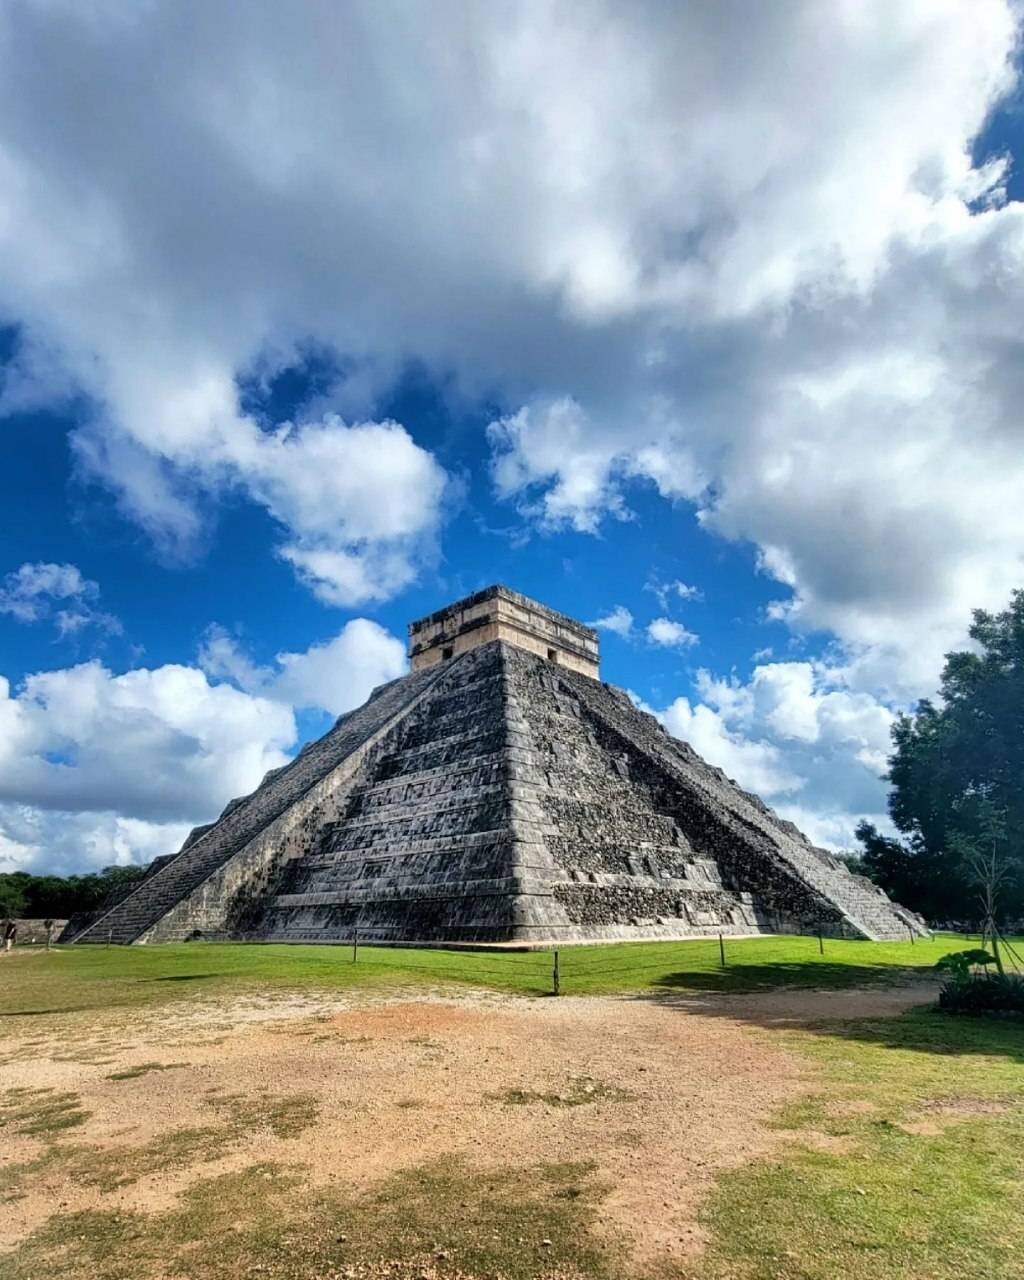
column 661, row 1095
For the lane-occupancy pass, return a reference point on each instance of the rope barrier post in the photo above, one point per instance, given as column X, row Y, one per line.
column 556, row 984
column 721, row 950
column 911, row 932
column 821, row 943
column 355, row 943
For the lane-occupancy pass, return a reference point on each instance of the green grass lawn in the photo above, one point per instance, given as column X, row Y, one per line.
column 90, row 977
column 907, row 1163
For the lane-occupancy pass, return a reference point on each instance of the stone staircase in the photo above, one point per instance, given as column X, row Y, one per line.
column 244, row 819
column 882, row 919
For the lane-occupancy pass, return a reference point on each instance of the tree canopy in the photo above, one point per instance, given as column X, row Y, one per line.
column 59, row 897
column 957, row 773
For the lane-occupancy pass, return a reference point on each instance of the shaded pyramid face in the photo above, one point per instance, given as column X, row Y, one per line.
column 498, row 797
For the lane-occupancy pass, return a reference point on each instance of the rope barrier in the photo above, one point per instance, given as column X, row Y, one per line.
column 551, row 969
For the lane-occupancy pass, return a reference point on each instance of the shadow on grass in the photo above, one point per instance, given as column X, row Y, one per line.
column 797, row 974
column 814, row 1009
column 57, row 1008
column 925, row 1030
column 183, row 977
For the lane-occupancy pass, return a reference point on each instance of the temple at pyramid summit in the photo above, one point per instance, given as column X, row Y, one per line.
column 499, row 793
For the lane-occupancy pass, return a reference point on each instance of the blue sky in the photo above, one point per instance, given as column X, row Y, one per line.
column 235, row 579
column 298, row 348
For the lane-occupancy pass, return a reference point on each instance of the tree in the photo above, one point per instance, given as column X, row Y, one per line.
column 12, row 897
column 58, row 897
column 983, row 850
column 957, row 773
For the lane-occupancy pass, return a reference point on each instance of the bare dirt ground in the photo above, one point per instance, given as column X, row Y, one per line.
column 660, row 1094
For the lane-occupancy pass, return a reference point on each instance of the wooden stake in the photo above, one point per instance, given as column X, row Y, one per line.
column 355, row 943
column 721, row 949
column 556, row 984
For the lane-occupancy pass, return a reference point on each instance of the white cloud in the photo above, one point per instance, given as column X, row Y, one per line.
column 336, row 675
column 97, row 767
column 763, row 276
column 161, row 745
column 40, row 840
column 670, row 635
column 360, row 504
column 619, row 620
column 757, row 766
column 33, row 592
column 529, row 451
column 815, row 751
column 667, row 593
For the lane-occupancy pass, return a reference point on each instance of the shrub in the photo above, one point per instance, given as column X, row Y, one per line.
column 992, row 993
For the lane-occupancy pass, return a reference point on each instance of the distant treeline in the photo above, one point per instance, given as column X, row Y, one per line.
column 59, row 897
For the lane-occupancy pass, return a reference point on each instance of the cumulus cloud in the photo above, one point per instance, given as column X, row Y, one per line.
column 360, row 504
column 98, row 767
column 762, row 274
column 791, row 733
column 619, row 621
column 530, row 448
column 680, row 297
column 57, row 592
column 42, row 840
column 337, row 675
column 757, row 766
column 669, row 634
column 764, row 277
column 159, row 744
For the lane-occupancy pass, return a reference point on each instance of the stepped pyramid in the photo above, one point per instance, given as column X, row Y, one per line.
column 499, row 793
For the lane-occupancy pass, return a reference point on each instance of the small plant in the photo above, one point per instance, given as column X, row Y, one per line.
column 961, row 965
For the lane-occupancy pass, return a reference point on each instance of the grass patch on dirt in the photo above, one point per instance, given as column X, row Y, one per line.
column 445, row 1220
column 143, row 1069
column 285, row 1117
column 107, row 1168
column 579, row 1091
column 40, row 1113
column 929, row 1111
column 85, row 978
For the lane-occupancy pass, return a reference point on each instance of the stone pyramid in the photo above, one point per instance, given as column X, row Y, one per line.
column 499, row 793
